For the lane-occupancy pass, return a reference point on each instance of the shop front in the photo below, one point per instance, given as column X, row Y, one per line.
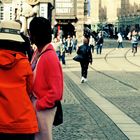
column 65, row 16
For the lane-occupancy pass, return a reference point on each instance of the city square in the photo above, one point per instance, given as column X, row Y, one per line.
column 106, row 104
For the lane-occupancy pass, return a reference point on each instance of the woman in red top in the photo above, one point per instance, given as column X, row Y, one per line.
column 17, row 116
column 48, row 76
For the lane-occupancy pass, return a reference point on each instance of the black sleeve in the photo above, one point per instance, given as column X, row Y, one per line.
column 89, row 54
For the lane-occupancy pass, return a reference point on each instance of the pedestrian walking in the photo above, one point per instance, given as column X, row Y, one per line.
column 69, row 44
column 48, row 77
column 85, row 51
column 99, row 43
column 57, row 46
column 62, row 53
column 74, row 42
column 120, row 40
column 18, row 119
column 92, row 43
column 134, row 37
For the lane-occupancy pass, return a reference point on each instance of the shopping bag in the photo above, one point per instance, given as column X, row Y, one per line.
column 78, row 58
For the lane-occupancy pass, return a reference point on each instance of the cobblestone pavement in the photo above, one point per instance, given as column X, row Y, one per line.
column 83, row 120
column 116, row 81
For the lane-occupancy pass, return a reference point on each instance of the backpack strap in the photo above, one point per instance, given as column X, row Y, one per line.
column 35, row 59
column 44, row 52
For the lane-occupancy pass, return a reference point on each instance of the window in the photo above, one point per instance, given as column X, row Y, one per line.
column 1, row 12
column 10, row 9
column 10, row 16
column 10, row 13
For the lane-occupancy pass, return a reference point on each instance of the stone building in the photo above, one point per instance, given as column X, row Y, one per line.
column 6, row 10
column 73, row 15
column 116, row 15
column 62, row 13
column 69, row 14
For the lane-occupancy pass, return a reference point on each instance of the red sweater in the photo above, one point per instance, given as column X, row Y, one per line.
column 48, row 79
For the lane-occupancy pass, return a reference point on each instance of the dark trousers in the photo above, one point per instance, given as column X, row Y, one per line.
column 134, row 47
column 99, row 48
column 92, row 48
column 58, row 54
column 120, row 45
column 70, row 50
column 16, row 136
column 63, row 58
column 84, row 69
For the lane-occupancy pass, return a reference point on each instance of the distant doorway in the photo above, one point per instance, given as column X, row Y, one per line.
column 67, row 29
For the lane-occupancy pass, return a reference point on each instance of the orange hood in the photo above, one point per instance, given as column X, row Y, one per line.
column 9, row 58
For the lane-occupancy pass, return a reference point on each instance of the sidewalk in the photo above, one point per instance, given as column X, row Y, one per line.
column 89, row 116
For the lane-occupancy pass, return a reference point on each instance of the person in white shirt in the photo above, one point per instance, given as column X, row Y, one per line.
column 120, row 40
column 92, row 43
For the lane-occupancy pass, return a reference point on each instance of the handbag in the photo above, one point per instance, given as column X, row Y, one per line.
column 58, row 119
column 78, row 58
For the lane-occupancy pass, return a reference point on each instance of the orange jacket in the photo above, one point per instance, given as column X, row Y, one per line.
column 16, row 111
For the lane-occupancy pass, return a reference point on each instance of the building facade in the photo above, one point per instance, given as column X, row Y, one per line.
column 111, row 15
column 6, row 10
column 69, row 14
column 116, row 15
column 59, row 12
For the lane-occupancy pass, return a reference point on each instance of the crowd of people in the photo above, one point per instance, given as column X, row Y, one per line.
column 133, row 36
column 64, row 46
column 95, row 41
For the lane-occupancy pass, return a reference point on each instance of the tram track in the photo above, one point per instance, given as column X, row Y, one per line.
column 125, row 99
column 107, row 57
column 114, row 78
column 104, row 122
column 125, row 56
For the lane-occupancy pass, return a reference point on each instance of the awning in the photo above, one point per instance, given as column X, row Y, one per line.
column 65, row 17
column 66, row 21
column 33, row 2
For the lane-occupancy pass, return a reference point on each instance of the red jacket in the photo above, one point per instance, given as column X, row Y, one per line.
column 16, row 111
column 48, row 79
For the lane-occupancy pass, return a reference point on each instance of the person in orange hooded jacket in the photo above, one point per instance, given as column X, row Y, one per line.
column 17, row 116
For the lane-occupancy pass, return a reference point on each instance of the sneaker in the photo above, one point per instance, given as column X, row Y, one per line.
column 82, row 80
column 85, row 79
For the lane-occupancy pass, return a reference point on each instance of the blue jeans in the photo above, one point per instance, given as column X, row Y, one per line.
column 63, row 58
column 99, row 48
column 58, row 54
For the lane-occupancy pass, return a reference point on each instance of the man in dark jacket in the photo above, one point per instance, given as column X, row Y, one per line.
column 85, row 51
